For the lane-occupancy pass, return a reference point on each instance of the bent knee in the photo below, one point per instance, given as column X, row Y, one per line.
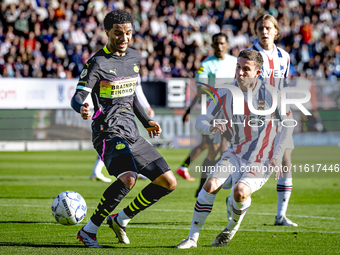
column 213, row 185
column 171, row 182
column 241, row 192
column 167, row 180
column 129, row 179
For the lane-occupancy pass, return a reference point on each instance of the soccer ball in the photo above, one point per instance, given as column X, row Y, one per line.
column 69, row 208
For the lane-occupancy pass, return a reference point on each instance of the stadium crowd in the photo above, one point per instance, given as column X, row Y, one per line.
column 54, row 38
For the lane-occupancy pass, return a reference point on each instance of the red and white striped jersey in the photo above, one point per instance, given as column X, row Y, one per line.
column 275, row 69
column 252, row 135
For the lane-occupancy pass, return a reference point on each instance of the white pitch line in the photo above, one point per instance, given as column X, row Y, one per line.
column 299, row 216
column 245, row 230
column 215, row 229
column 174, row 210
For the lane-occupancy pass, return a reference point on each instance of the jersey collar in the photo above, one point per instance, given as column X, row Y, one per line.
column 261, row 49
column 106, row 50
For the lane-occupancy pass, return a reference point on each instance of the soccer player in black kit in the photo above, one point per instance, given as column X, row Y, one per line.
column 111, row 76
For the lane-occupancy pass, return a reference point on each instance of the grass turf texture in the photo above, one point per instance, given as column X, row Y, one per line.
column 29, row 181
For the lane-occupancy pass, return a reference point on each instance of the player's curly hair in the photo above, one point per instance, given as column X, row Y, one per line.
column 252, row 55
column 116, row 17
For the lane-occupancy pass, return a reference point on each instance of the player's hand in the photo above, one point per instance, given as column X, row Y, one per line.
column 276, row 165
column 219, row 126
column 150, row 112
column 155, row 129
column 186, row 117
column 85, row 111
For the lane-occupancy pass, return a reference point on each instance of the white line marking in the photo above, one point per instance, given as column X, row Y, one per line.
column 245, row 230
column 300, row 216
column 190, row 211
column 215, row 229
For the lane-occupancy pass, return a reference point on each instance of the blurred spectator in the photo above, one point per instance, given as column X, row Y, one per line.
column 18, row 65
column 31, row 41
column 50, row 52
column 166, row 69
column 78, row 35
column 158, row 70
column 59, row 48
column 41, row 11
column 306, row 31
column 172, row 37
column 9, row 66
column 177, row 69
column 21, row 25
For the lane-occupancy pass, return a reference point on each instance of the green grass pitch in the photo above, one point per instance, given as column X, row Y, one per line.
column 30, row 180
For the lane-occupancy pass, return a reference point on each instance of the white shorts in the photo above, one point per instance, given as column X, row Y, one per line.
column 231, row 169
column 290, row 142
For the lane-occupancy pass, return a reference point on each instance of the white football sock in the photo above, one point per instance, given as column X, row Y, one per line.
column 97, row 168
column 183, row 168
column 284, row 189
column 203, row 207
column 237, row 213
column 90, row 227
column 123, row 219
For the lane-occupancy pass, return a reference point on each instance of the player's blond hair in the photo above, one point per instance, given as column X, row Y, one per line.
column 271, row 19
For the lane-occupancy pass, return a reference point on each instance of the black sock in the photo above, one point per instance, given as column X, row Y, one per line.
column 110, row 199
column 200, row 186
column 204, row 174
column 186, row 162
column 147, row 197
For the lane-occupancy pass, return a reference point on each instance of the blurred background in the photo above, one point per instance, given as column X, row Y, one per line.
column 45, row 44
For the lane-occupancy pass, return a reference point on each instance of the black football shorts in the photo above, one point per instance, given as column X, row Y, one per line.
column 140, row 156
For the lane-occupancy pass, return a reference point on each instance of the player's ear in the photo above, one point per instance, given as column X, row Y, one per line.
column 107, row 32
column 258, row 72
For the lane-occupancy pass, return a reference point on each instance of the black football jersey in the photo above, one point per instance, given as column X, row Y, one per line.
column 111, row 80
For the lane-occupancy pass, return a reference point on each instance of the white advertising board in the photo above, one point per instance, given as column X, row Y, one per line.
column 29, row 93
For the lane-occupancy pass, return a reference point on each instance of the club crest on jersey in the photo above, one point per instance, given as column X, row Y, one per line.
column 200, row 69
column 282, row 61
column 136, row 68
column 120, row 146
column 83, row 73
column 260, row 105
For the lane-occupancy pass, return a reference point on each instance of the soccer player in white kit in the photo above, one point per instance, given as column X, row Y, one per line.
column 252, row 147
column 275, row 71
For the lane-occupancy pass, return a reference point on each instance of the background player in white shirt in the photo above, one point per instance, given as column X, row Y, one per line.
column 251, row 147
column 275, row 71
column 97, row 174
column 216, row 69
